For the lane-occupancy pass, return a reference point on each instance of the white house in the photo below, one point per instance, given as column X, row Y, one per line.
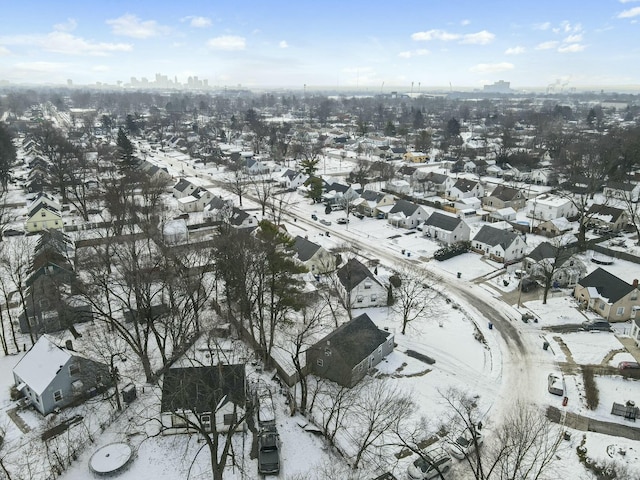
column 44, row 217
column 359, row 287
column 500, row 245
column 548, row 206
column 407, row 214
column 316, row 258
column 446, row 228
column 196, row 201
column 184, row 188
column 291, row 179
column 465, row 188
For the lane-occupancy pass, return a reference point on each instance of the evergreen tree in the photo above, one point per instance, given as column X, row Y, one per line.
column 7, row 156
column 126, row 151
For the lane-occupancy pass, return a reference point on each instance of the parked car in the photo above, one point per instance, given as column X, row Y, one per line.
column 555, row 384
column 433, row 463
column 11, row 232
column 314, row 216
column 342, row 221
column 596, row 325
column 359, row 215
column 268, row 451
column 629, row 365
column 528, row 284
column 325, row 222
column 464, row 444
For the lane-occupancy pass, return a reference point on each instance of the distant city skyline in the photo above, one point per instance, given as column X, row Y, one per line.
column 343, row 45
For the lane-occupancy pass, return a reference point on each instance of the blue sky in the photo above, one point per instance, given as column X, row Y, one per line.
column 365, row 44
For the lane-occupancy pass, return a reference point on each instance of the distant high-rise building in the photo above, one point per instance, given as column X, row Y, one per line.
column 498, row 87
column 69, row 82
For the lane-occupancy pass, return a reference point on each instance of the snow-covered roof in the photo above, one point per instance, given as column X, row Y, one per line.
column 41, row 364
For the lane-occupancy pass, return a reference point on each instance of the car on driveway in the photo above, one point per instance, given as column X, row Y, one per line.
column 325, row 222
column 433, row 463
column 342, row 221
column 269, row 451
column 596, row 325
column 629, row 366
column 464, row 443
column 314, row 216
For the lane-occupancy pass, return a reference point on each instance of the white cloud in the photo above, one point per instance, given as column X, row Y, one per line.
column 491, row 67
column 66, row 43
column 573, row 38
column 131, row 26
column 514, row 50
column 542, row 26
column 547, row 45
column 4, row 51
column 465, row 22
column 283, row 44
column 62, row 42
column 227, row 42
column 480, row 38
column 632, row 12
column 435, row 35
column 571, row 48
column 414, row 53
column 197, row 22
column 629, row 1
column 69, row 26
column 568, row 27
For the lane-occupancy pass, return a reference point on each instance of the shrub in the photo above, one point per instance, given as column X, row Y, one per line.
column 592, row 396
column 453, row 250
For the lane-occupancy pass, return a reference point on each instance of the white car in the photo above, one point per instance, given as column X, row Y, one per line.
column 464, row 444
column 433, row 463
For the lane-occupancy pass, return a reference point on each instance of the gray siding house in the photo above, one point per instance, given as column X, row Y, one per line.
column 446, row 228
column 53, row 377
column 348, row 353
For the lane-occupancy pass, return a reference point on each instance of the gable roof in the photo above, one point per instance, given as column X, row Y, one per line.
column 44, row 206
column 41, row 364
column 545, row 250
column 182, row 185
column 505, row 193
column 446, row 222
column 608, row 285
column 495, row 236
column 305, row 248
column 404, row 206
column 372, row 196
column 602, row 211
column 355, row 340
column 465, row 185
column 201, row 389
column 353, row 273
column 437, row 178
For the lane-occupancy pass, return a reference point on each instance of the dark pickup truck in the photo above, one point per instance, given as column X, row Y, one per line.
column 269, row 451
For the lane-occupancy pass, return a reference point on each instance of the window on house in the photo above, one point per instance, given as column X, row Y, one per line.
column 178, row 421
column 634, row 295
column 601, row 306
column 230, row 418
column 206, row 421
column 374, row 298
column 327, row 352
column 620, row 311
column 320, row 362
column 74, row 369
column 367, row 285
column 359, row 299
column 57, row 395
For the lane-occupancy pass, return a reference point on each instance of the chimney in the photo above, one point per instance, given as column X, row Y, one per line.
column 68, row 345
column 635, row 283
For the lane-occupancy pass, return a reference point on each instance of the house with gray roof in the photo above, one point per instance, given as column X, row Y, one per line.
column 317, row 259
column 503, row 197
column 499, row 245
column 359, row 287
column 561, row 262
column 622, row 191
column 370, row 201
column 446, row 228
column 609, row 296
column 407, row 214
column 184, row 188
column 348, row 353
column 213, row 396
column 606, row 217
column 465, row 188
column 241, row 219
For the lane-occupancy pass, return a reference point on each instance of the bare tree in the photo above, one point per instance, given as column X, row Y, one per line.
column 414, row 296
column 263, row 188
column 236, row 183
column 554, row 261
column 379, row 409
column 524, row 444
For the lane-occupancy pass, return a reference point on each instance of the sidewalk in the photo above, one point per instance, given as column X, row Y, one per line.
column 631, row 346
